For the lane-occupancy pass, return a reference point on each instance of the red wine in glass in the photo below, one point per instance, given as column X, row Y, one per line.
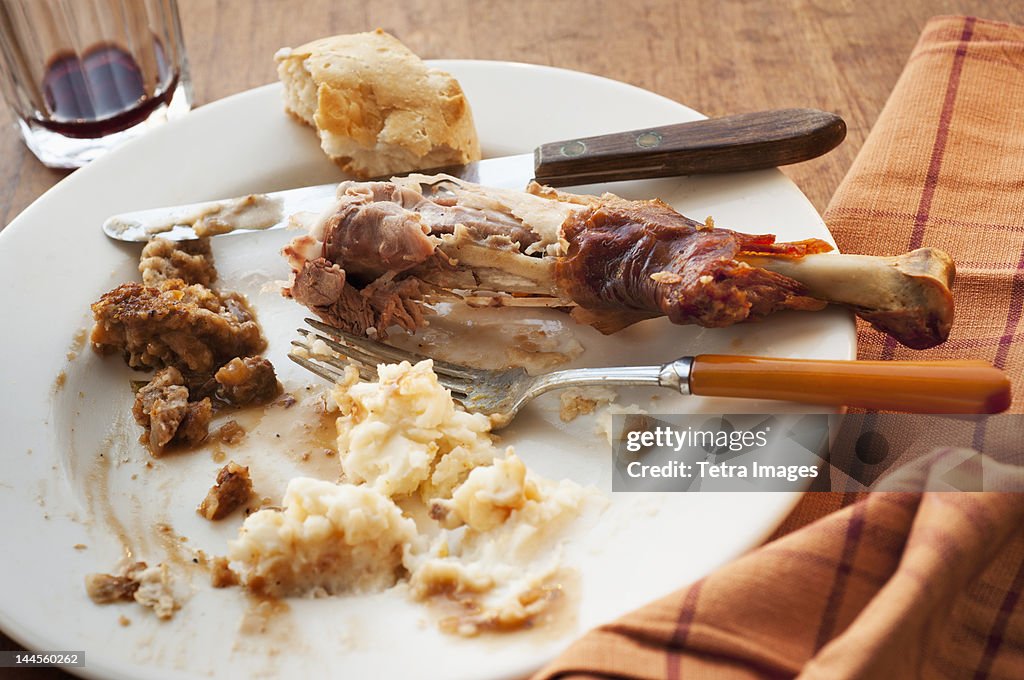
column 101, row 91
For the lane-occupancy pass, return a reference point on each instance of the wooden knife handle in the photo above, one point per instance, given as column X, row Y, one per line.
column 747, row 141
column 953, row 387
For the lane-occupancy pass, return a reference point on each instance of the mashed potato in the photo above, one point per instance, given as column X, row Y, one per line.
column 403, row 433
column 328, row 538
column 491, row 538
column 504, row 567
column 488, row 496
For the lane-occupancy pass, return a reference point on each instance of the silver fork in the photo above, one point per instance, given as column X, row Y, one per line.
column 496, row 393
column 912, row 386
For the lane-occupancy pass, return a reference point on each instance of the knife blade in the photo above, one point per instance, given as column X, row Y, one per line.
column 271, row 210
column 739, row 143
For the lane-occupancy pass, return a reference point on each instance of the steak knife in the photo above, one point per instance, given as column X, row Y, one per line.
column 738, row 143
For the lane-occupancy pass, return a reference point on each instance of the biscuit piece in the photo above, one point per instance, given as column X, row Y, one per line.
column 377, row 108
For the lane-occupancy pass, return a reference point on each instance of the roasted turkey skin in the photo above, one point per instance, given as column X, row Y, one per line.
column 644, row 259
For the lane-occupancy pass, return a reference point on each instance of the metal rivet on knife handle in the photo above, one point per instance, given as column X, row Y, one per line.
column 574, row 148
column 648, row 140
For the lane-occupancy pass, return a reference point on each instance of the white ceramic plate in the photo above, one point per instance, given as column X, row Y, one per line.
column 57, row 491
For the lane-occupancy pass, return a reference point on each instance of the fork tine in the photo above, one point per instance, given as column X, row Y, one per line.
column 318, row 369
column 366, row 371
column 358, row 357
column 352, row 354
column 479, row 391
column 378, row 351
column 459, row 392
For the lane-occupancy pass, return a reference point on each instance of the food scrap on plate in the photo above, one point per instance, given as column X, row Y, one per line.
column 204, row 342
column 232, row 490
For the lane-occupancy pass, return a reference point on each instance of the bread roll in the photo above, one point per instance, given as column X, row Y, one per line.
column 377, row 108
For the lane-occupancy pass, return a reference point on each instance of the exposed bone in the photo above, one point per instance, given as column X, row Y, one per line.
column 514, row 301
column 475, row 266
column 493, row 278
column 907, row 295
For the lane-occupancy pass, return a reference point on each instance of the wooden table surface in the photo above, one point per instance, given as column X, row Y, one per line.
column 719, row 57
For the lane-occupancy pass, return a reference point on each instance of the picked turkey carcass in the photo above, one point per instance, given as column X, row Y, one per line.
column 386, row 251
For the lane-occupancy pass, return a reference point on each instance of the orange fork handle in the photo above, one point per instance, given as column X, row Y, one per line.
column 953, row 387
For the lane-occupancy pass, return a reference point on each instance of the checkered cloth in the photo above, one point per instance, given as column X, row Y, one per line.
column 886, row 585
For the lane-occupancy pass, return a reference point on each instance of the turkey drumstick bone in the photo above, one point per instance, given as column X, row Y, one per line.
column 907, row 295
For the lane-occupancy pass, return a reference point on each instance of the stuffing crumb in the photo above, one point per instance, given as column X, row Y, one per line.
column 190, row 261
column 155, row 591
column 167, row 417
column 107, row 588
column 221, row 575
column 580, row 401
column 247, row 380
column 230, row 433
column 232, row 490
column 190, row 327
column 149, row 586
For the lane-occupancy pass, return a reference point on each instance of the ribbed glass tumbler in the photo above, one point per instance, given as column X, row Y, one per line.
column 82, row 76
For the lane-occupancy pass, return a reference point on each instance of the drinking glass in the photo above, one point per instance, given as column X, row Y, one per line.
column 82, row 76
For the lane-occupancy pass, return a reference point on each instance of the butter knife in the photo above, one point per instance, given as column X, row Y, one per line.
column 738, row 143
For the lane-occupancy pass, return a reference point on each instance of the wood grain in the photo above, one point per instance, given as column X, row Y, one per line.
column 720, row 58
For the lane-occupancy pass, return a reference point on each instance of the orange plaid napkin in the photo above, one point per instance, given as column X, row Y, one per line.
column 891, row 585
